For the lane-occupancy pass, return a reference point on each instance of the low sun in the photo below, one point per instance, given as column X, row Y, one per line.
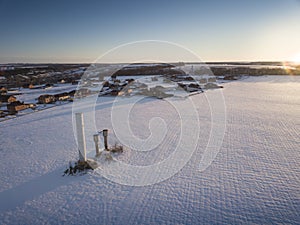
column 296, row 59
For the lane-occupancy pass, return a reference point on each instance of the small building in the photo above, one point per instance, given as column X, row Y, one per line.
column 25, row 85
column 2, row 114
column 125, row 92
column 46, row 99
column 114, row 92
column 3, row 90
column 32, row 86
column 6, row 68
column 130, row 80
column 16, row 106
column 7, row 98
column 48, row 85
column 62, row 96
column 193, row 87
column 106, row 84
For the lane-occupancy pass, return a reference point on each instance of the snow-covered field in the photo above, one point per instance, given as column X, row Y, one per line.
column 254, row 179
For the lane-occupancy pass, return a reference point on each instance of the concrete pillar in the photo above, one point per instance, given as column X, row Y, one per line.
column 96, row 140
column 80, row 137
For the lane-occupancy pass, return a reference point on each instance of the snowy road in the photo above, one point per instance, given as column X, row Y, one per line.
column 254, row 179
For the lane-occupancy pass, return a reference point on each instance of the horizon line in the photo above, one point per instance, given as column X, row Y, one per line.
column 187, row 62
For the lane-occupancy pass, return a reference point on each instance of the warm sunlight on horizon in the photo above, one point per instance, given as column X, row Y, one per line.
column 296, row 59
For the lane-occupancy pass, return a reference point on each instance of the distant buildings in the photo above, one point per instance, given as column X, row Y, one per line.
column 7, row 98
column 3, row 90
column 62, row 96
column 46, row 99
column 17, row 106
column 6, row 68
column 49, row 99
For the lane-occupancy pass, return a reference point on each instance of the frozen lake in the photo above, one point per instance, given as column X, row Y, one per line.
column 254, row 179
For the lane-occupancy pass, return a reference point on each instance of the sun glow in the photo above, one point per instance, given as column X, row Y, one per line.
column 292, row 66
column 296, row 59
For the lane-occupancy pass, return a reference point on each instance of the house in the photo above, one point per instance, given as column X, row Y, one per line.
column 48, row 85
column 2, row 114
column 25, row 85
column 32, row 86
column 193, row 87
column 16, row 106
column 125, row 92
column 114, row 92
column 106, row 84
column 129, row 80
column 46, row 99
column 7, row 98
column 3, row 90
column 62, row 96
column 181, row 85
column 186, row 77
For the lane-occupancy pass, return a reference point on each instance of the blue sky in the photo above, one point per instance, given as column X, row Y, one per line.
column 81, row 31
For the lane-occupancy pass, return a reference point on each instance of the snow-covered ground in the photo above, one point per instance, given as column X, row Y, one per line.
column 254, row 179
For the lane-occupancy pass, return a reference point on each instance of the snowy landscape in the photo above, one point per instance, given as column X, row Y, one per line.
column 149, row 112
column 253, row 179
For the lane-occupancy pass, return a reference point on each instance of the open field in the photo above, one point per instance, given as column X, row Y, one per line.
column 254, row 178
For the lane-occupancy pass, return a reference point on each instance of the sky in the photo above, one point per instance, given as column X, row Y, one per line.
column 67, row 31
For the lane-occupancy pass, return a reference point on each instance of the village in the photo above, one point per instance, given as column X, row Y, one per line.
column 17, row 81
column 11, row 105
column 56, row 84
column 56, row 88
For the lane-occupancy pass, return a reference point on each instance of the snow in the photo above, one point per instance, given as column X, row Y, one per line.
column 253, row 179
